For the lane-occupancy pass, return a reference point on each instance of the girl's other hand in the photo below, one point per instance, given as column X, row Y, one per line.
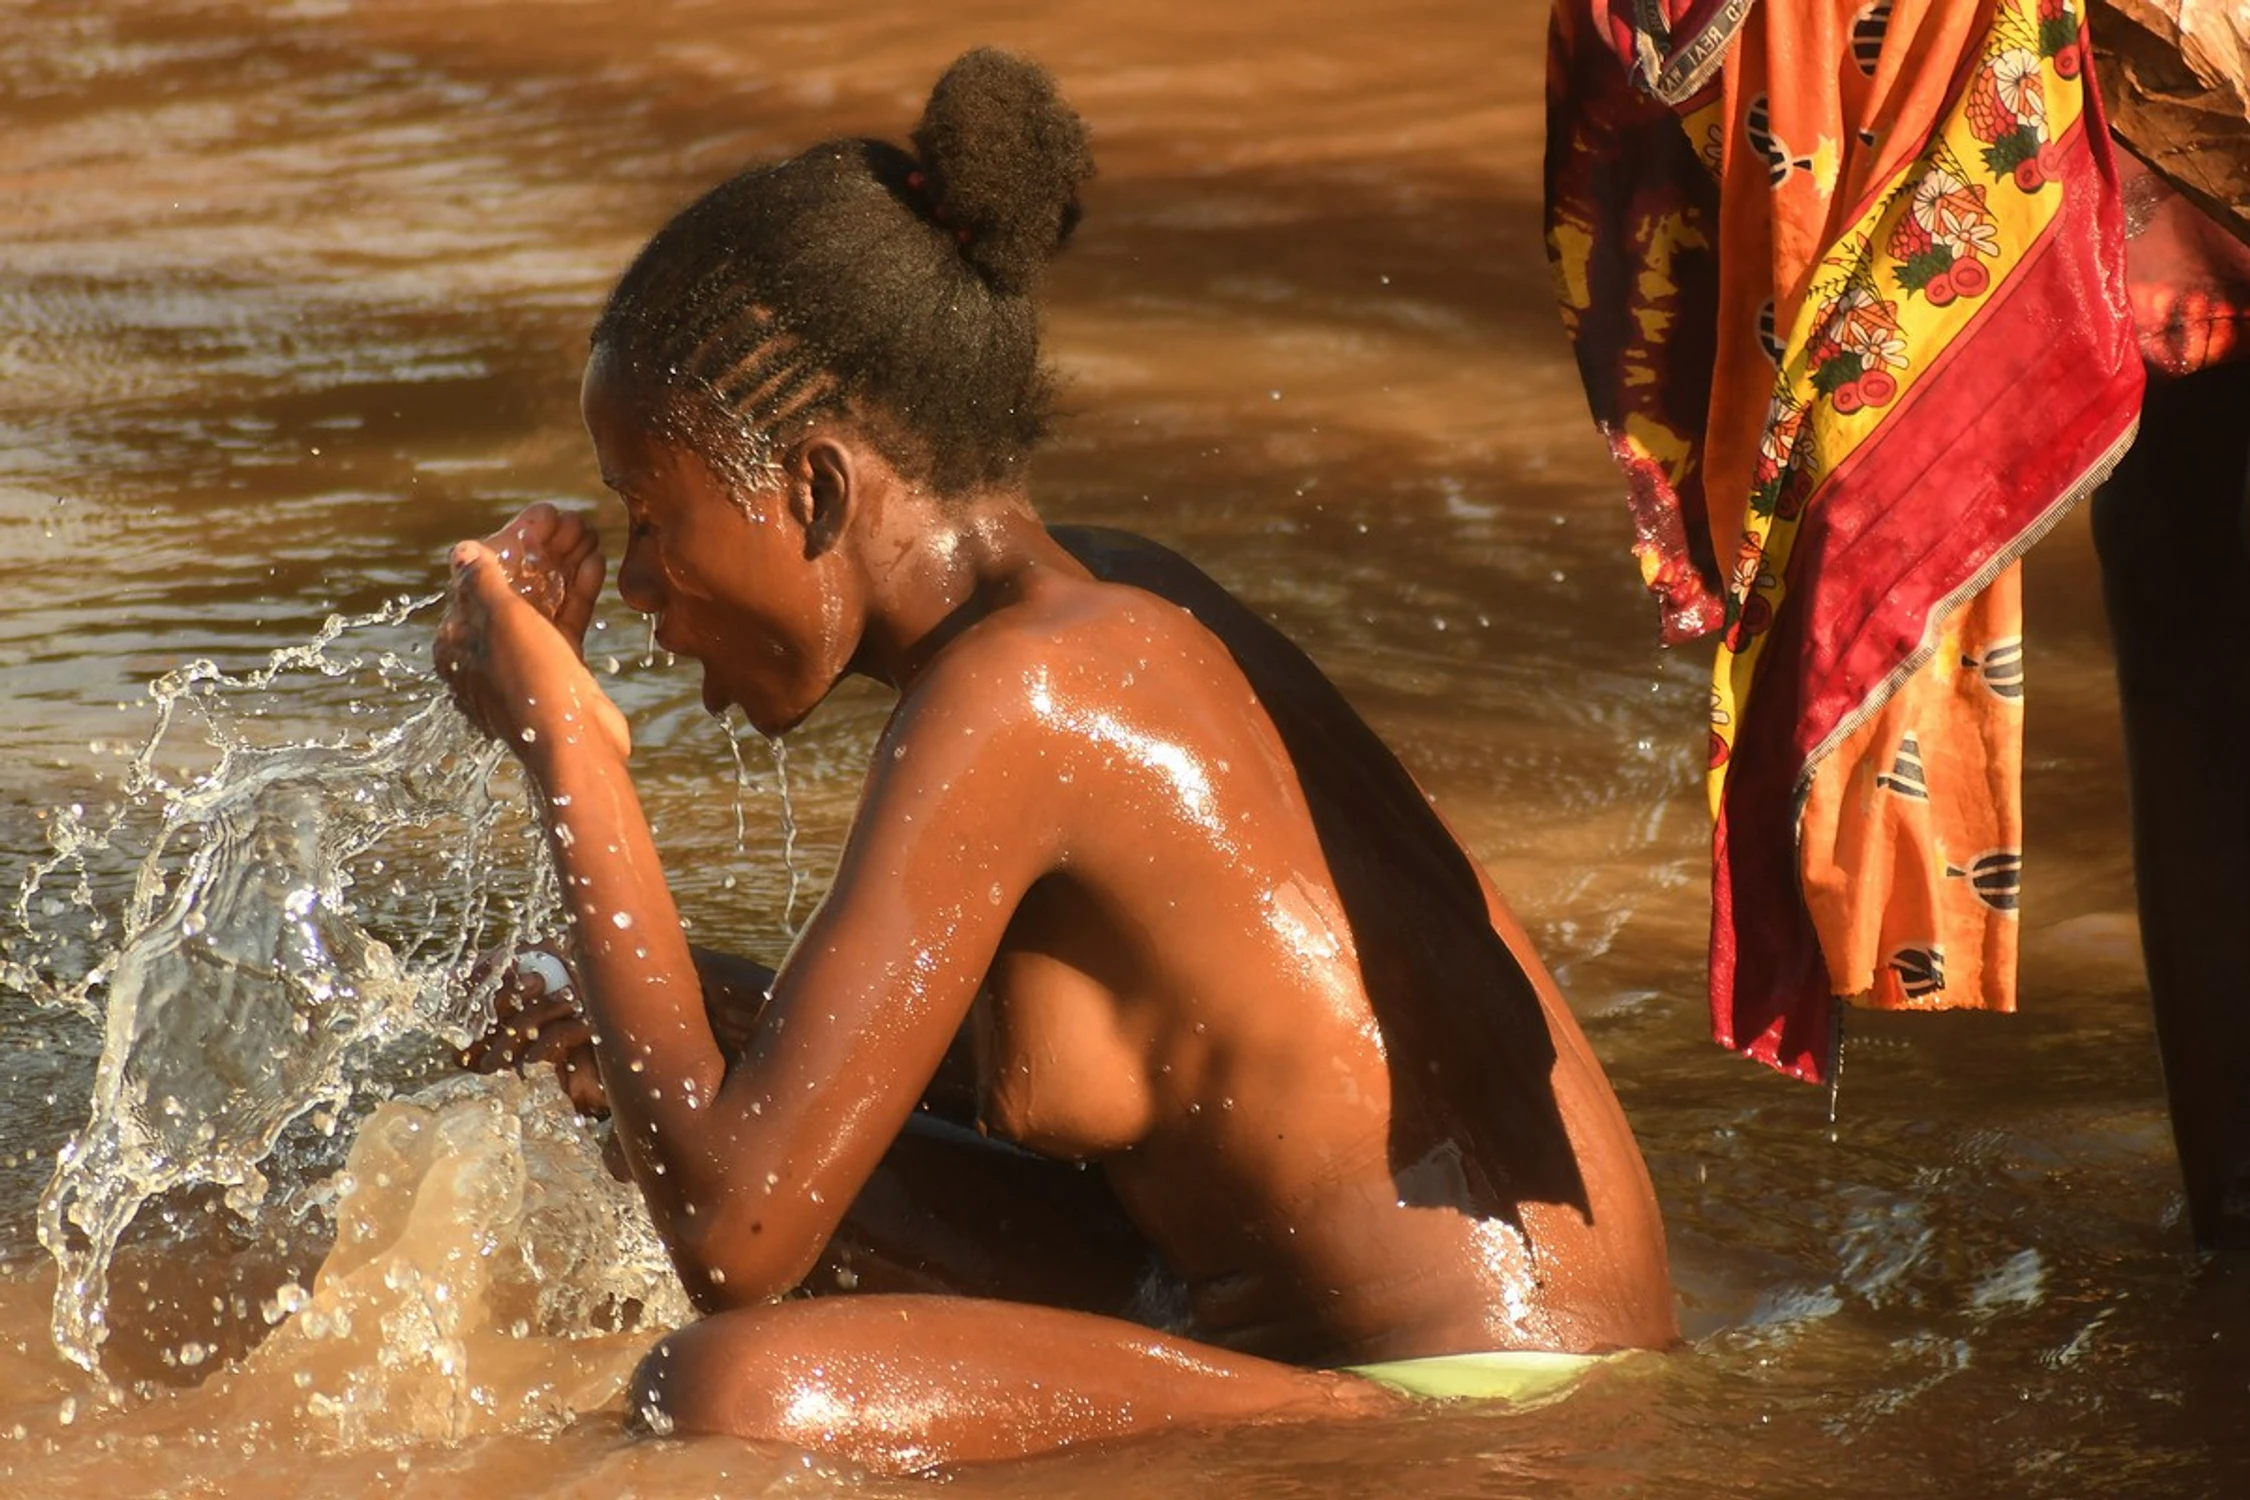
column 536, row 1019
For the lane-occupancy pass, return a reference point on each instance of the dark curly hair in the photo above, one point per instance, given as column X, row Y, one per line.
column 858, row 278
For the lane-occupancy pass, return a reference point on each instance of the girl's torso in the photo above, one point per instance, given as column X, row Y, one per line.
column 1264, row 988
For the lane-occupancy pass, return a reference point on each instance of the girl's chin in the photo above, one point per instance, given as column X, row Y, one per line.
column 715, row 701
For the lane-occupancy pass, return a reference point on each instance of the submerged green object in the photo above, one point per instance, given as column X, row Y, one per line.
column 1518, row 1375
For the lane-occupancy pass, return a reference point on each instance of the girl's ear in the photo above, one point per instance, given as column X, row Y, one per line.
column 822, row 491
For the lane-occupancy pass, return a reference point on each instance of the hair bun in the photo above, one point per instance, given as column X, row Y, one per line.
column 1004, row 156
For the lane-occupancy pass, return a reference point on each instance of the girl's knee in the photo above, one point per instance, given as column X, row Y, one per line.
column 733, row 1374
column 650, row 1395
column 684, row 1385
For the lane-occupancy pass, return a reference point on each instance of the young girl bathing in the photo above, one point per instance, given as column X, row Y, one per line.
column 1157, row 1056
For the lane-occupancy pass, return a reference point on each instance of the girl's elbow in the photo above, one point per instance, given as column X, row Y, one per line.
column 734, row 1257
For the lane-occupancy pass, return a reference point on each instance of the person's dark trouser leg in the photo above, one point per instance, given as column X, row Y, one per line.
column 2173, row 531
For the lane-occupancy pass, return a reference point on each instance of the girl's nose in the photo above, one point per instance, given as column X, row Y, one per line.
column 636, row 581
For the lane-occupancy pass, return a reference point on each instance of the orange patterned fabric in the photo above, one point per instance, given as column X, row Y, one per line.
column 1912, row 836
column 1852, row 317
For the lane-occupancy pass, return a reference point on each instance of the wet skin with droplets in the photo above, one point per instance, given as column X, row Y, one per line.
column 1196, row 924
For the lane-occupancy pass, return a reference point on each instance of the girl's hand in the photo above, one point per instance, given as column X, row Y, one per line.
column 536, row 1019
column 554, row 560
column 509, row 645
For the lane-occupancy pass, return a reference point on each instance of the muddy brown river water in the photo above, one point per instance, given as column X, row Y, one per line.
column 292, row 294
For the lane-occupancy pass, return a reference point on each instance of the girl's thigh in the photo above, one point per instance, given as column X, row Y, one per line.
column 906, row 1383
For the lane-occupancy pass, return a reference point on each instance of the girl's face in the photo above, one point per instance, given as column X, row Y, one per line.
column 726, row 573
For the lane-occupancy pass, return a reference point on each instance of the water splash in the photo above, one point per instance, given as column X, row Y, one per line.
column 458, row 1299
column 741, row 784
column 789, row 927
column 779, row 748
column 298, row 914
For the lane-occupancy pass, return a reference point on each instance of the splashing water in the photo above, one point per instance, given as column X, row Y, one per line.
column 789, row 926
column 300, row 915
column 485, row 1277
column 741, row 784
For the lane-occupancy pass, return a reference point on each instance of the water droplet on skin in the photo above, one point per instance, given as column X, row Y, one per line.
column 622, row 919
column 529, row 736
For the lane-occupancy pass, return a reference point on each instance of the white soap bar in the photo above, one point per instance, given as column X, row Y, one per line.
column 549, row 969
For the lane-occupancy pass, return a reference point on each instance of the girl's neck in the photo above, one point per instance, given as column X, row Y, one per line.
column 936, row 566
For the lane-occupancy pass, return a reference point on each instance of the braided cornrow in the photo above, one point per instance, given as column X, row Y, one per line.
column 857, row 277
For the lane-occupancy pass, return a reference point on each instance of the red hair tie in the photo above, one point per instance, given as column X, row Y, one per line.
column 919, row 184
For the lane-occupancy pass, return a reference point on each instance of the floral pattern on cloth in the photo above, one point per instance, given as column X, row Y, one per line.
column 1852, row 320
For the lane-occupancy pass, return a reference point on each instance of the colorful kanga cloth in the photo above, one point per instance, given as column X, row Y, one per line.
column 1846, row 282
